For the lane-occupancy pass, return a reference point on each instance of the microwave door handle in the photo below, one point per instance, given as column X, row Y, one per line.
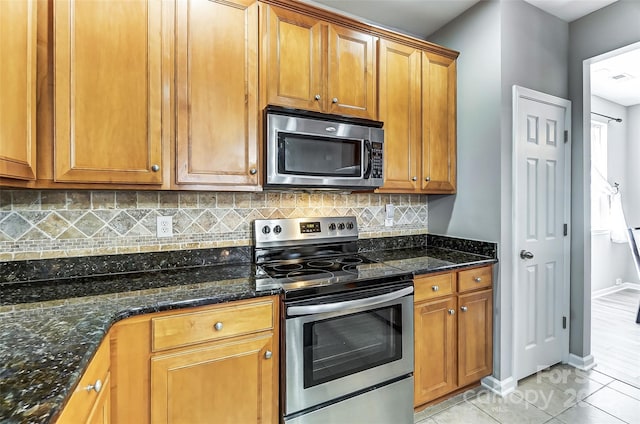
column 349, row 304
column 367, row 148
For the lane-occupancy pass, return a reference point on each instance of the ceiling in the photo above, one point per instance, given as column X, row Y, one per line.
column 421, row 18
column 617, row 78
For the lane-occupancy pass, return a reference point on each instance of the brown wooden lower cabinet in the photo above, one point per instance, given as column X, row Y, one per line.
column 217, row 383
column 219, row 366
column 91, row 399
column 453, row 328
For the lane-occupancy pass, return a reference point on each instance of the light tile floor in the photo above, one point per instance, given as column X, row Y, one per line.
column 559, row 395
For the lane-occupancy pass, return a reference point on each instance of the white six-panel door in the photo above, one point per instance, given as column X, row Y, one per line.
column 541, row 210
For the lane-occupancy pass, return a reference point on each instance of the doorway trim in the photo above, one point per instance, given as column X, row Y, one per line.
column 522, row 92
column 587, row 362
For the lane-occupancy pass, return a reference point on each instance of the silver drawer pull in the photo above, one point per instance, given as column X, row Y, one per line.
column 435, row 288
column 218, row 326
column 464, row 308
column 452, row 311
column 477, row 279
column 97, row 386
column 268, row 354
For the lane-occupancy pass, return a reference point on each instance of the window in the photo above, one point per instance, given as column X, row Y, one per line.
column 599, row 193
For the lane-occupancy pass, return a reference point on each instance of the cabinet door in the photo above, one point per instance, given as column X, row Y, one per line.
column 435, row 349
column 475, row 336
column 108, row 91
column 101, row 413
column 217, row 383
column 293, row 60
column 216, row 87
column 351, row 73
column 399, row 103
column 439, row 124
column 18, row 87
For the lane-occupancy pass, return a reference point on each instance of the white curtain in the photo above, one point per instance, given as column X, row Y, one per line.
column 617, row 221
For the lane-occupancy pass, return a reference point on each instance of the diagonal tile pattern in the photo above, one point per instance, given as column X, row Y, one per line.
column 37, row 224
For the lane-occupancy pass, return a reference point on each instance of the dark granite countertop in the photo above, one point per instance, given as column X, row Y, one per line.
column 424, row 260
column 51, row 327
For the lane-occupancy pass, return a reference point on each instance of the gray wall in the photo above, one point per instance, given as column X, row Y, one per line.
column 607, row 29
column 612, row 260
column 501, row 44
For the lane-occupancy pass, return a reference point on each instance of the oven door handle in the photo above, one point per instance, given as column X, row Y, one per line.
column 349, row 304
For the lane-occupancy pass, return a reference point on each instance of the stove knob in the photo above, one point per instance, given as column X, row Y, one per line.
column 266, row 230
column 332, row 226
column 277, row 229
column 341, row 226
column 349, row 225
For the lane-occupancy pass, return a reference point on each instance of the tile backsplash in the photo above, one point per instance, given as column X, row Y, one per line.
column 49, row 224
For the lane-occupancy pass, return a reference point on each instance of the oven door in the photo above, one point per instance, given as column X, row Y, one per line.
column 345, row 344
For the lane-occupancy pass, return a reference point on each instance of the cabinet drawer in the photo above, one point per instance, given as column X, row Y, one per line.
column 433, row 286
column 476, row 278
column 85, row 395
column 217, row 323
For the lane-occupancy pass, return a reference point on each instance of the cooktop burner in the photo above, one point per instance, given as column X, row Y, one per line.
column 310, row 256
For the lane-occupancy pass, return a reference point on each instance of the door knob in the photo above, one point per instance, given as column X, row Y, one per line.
column 526, row 255
column 452, row 312
column 334, row 100
column 218, row 326
column 464, row 308
column 435, row 288
column 317, row 97
column 414, row 178
column 253, row 171
column 268, row 354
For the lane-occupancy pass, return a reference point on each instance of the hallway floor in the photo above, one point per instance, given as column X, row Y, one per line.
column 561, row 394
column 615, row 336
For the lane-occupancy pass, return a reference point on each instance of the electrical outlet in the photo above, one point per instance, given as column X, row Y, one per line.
column 390, row 211
column 164, row 226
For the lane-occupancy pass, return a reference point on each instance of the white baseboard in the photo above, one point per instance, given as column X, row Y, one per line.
column 499, row 387
column 613, row 289
column 583, row 363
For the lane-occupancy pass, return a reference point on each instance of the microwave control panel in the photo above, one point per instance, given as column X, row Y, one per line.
column 376, row 160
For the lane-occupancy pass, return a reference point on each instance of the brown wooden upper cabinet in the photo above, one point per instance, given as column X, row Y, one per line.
column 417, row 103
column 315, row 65
column 216, row 48
column 108, row 102
column 18, row 87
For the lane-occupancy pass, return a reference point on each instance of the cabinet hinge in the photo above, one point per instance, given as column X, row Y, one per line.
column 566, row 229
column 566, row 136
column 564, row 323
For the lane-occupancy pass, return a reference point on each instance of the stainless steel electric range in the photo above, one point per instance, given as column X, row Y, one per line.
column 347, row 323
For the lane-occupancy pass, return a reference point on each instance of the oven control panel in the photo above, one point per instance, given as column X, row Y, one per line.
column 271, row 232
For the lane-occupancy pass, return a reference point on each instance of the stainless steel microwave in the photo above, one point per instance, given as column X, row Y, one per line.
column 310, row 150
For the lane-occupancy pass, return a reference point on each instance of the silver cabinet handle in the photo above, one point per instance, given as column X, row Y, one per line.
column 435, row 288
column 452, row 312
column 155, row 168
column 427, row 179
column 268, row 354
column 97, row 386
column 218, row 326
column 334, row 100
column 253, row 171
column 464, row 308
column 526, row 255
column 414, row 178
column 477, row 279
column 317, row 97
column 349, row 304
